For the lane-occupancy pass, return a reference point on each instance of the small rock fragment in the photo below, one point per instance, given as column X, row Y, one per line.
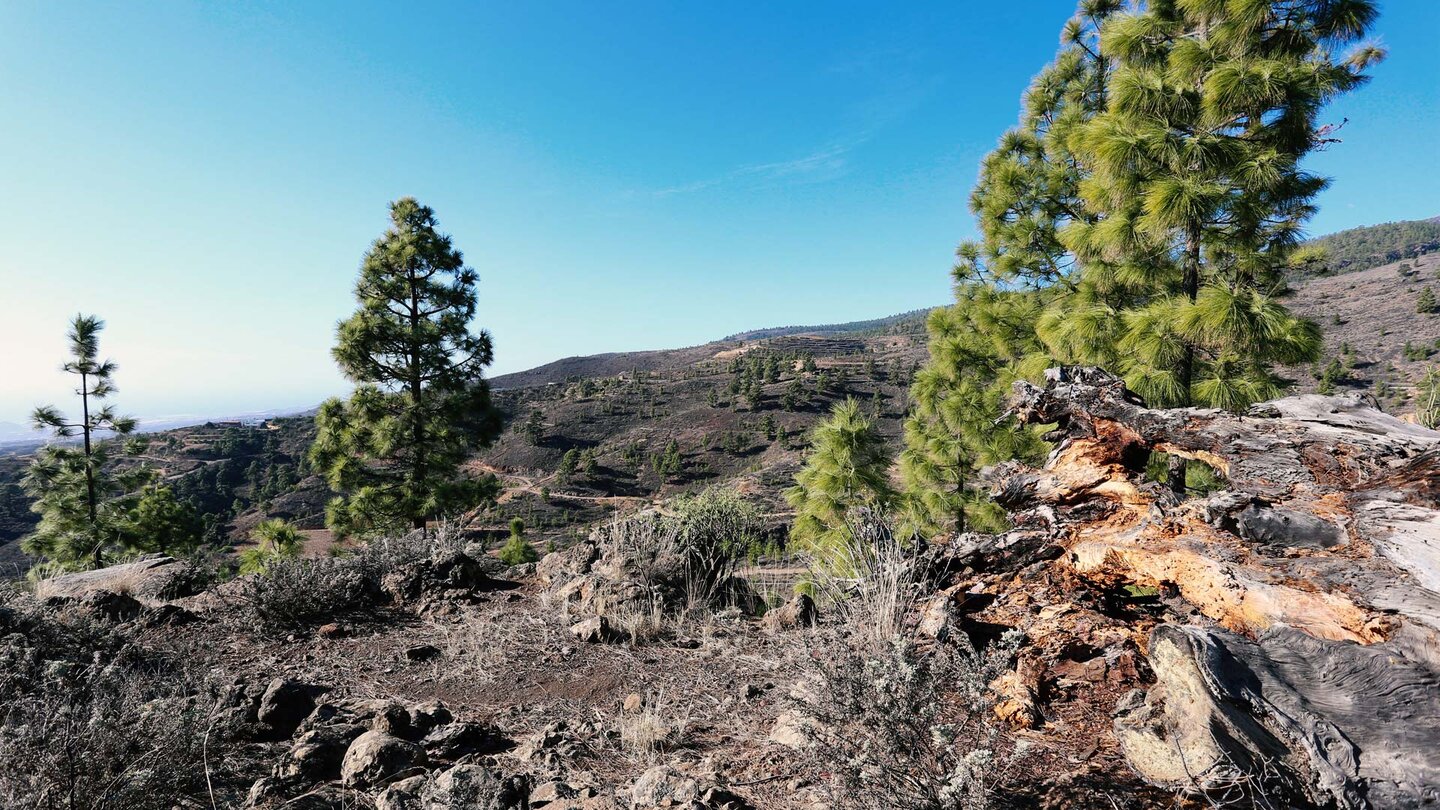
column 596, row 630
column 422, row 652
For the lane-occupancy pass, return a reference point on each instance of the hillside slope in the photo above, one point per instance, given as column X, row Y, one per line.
column 617, row 413
column 723, row 428
column 1357, row 249
column 1372, row 328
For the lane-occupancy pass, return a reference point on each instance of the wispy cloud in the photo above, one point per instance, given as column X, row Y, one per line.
column 826, row 163
column 830, row 161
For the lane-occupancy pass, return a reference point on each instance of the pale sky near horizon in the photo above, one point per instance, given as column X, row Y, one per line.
column 206, row 176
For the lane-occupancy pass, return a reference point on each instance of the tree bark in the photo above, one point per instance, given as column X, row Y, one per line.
column 960, row 495
column 1304, row 666
column 416, row 394
column 1176, row 468
column 90, row 499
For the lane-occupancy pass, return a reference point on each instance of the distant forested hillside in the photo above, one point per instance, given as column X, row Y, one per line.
column 1371, row 246
column 904, row 323
column 233, row 474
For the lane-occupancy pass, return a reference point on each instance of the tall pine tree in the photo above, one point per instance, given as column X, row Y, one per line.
column 1195, row 175
column 1148, row 205
column 421, row 405
column 1028, row 191
column 82, row 498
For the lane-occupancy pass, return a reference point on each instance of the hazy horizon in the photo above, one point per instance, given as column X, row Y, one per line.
column 206, row 179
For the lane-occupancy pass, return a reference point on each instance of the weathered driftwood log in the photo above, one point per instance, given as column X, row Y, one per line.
column 1318, row 568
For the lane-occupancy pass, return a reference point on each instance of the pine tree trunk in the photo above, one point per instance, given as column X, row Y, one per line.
column 417, row 420
column 1175, row 473
column 90, row 504
column 960, row 497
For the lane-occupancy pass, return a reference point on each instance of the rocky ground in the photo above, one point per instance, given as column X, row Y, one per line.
column 561, row 684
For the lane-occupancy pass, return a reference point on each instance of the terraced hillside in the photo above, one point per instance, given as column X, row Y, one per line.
column 233, row 473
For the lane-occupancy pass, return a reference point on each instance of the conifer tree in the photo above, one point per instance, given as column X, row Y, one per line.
column 847, row 467
column 978, row 348
column 668, row 463
column 568, row 462
column 1149, row 204
column 1425, row 304
column 421, row 403
column 1195, row 175
column 274, row 540
column 794, row 393
column 517, row 550
column 161, row 523
column 1028, row 191
column 768, row 426
column 534, row 427
column 83, row 500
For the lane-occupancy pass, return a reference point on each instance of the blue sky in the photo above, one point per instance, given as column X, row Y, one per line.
column 622, row 175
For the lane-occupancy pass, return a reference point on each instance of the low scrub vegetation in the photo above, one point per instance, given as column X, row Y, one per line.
column 653, row 727
column 294, row 593
column 87, row 722
column 692, row 549
column 900, row 726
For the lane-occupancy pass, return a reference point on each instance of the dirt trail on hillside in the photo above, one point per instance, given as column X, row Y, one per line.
column 516, row 485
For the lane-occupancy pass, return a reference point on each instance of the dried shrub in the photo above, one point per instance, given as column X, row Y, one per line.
column 479, row 647
column 296, row 593
column 653, row 728
column 87, row 721
column 897, row 726
column 871, row 580
column 644, row 622
column 691, row 550
column 292, row 594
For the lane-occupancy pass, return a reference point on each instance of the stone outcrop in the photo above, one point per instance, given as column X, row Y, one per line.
column 799, row 612
column 149, row 580
column 462, row 787
column 597, row 630
column 663, row 786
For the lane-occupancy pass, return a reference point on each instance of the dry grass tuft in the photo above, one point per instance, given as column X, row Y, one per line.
column 654, row 728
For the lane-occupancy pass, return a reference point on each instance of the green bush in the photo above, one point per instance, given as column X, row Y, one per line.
column 715, row 531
